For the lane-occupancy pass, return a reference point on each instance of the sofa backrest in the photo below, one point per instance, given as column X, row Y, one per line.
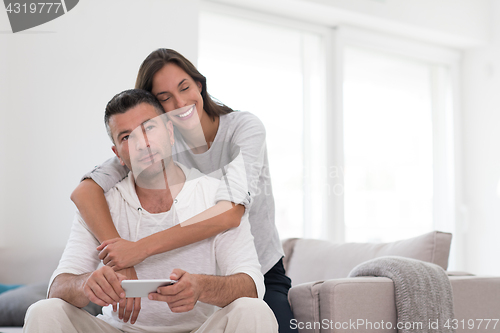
column 309, row 260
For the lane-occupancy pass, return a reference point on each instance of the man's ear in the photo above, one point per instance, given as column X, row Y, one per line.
column 113, row 148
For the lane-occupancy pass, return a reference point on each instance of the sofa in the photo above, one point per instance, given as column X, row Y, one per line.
column 324, row 300
column 320, row 290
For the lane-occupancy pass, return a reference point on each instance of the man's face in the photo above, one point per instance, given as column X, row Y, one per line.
column 142, row 140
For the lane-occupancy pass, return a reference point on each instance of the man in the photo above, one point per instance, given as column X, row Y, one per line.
column 157, row 194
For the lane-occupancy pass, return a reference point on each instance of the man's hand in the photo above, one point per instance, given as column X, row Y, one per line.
column 103, row 287
column 129, row 306
column 181, row 296
column 119, row 253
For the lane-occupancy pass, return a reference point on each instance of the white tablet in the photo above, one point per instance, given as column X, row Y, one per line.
column 141, row 288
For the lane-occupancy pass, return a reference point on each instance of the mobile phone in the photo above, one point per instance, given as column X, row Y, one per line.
column 141, row 288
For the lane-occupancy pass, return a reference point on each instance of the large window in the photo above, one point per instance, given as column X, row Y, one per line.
column 271, row 71
column 398, row 137
column 360, row 126
column 387, row 146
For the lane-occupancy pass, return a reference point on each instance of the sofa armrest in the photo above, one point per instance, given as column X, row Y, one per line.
column 476, row 298
column 357, row 304
column 362, row 304
column 304, row 301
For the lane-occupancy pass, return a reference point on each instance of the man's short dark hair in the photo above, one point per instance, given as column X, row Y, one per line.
column 127, row 100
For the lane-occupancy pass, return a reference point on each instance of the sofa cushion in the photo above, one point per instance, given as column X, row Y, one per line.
column 7, row 287
column 14, row 303
column 314, row 260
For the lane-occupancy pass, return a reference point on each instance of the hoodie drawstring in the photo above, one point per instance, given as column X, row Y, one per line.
column 138, row 224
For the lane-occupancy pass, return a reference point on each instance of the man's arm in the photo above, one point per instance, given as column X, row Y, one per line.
column 69, row 287
column 103, row 287
column 216, row 290
column 223, row 290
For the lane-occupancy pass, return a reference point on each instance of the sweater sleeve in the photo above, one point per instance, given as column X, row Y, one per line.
column 241, row 178
column 233, row 184
column 235, row 253
column 108, row 174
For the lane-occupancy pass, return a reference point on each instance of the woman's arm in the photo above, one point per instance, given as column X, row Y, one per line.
column 90, row 200
column 119, row 253
column 91, row 203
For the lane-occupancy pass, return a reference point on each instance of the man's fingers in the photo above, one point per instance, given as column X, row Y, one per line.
column 101, row 294
column 175, row 300
column 183, row 308
column 157, row 297
column 115, row 283
column 176, row 288
column 137, row 308
column 176, row 274
column 128, row 309
column 121, row 308
column 92, row 297
column 96, row 290
column 181, row 305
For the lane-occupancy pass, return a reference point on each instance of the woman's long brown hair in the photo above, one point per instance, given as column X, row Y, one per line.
column 159, row 58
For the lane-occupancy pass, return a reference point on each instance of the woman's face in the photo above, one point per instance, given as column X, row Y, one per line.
column 179, row 95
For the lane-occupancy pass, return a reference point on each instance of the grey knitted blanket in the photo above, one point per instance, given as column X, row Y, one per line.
column 423, row 292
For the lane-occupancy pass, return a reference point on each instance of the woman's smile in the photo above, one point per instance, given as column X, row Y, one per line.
column 186, row 115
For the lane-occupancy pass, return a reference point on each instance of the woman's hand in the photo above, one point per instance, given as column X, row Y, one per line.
column 119, row 253
column 128, row 307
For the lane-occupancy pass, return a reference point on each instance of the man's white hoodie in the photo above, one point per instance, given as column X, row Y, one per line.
column 228, row 253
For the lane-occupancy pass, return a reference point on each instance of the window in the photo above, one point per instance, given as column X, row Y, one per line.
column 361, row 126
column 387, row 146
column 272, row 71
column 398, row 137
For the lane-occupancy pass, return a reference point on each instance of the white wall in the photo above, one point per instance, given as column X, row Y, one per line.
column 55, row 81
column 481, row 123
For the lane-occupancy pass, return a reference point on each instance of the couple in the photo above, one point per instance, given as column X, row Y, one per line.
column 177, row 84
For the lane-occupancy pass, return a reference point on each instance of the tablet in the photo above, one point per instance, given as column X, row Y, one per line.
column 141, row 288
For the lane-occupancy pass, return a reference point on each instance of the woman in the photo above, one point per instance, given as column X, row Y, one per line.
column 210, row 137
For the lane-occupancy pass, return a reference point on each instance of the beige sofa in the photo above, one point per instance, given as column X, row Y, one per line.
column 324, row 300
column 320, row 290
